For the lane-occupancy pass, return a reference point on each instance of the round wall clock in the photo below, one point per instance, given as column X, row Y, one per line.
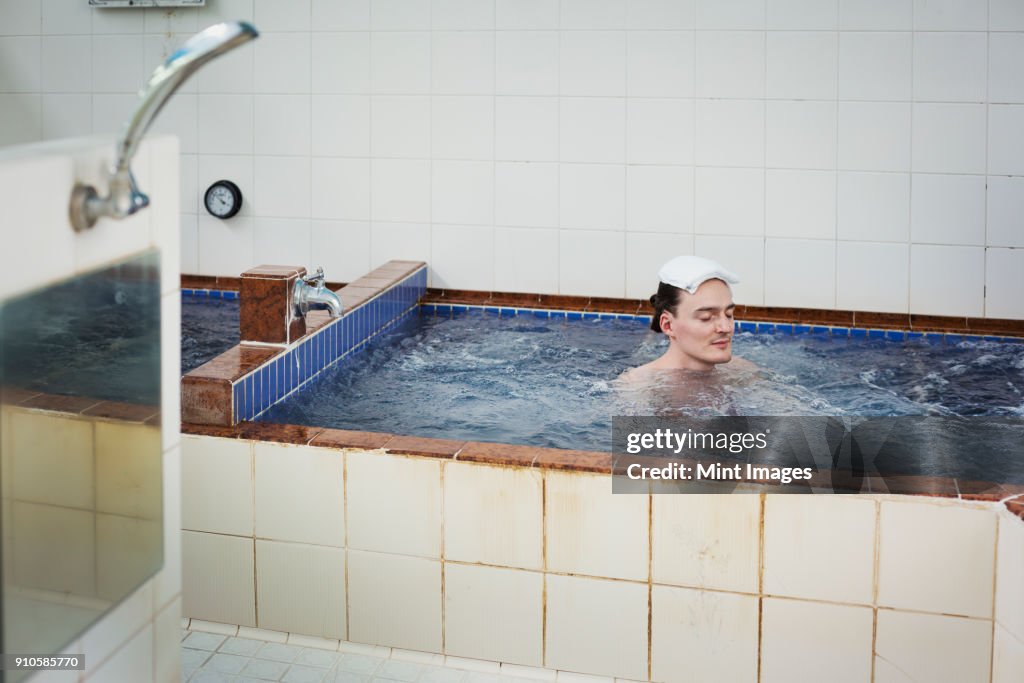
column 223, row 199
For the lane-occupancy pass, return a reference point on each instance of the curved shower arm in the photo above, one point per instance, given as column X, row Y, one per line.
column 124, row 197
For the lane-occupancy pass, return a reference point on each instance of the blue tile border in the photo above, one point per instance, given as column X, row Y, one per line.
column 229, row 294
column 302, row 362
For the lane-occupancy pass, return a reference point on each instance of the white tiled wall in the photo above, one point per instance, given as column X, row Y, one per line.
column 139, row 639
column 546, row 568
column 553, row 145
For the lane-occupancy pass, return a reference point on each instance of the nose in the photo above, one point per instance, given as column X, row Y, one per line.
column 723, row 324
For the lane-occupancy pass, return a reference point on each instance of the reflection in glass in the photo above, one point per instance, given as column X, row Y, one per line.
column 80, row 451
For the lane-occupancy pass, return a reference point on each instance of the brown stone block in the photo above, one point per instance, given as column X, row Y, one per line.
column 206, row 401
column 419, row 445
column 996, row 326
column 234, row 363
column 125, row 412
column 890, row 321
column 60, row 404
column 938, row 323
column 498, row 454
column 345, row 438
column 576, row 461
column 278, row 433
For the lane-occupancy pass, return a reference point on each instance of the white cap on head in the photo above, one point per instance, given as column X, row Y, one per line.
column 689, row 272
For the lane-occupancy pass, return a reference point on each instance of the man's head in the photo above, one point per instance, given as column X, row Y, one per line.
column 694, row 307
column 700, row 325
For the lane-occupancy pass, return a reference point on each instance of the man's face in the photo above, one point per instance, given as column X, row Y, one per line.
column 702, row 325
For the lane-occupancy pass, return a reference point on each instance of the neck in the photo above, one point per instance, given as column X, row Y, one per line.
column 676, row 359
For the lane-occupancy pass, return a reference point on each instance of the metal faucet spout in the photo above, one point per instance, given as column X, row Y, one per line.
column 125, row 198
column 312, row 290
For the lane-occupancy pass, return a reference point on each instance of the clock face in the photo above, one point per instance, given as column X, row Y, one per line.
column 223, row 199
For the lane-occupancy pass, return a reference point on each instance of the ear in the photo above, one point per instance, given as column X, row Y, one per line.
column 666, row 324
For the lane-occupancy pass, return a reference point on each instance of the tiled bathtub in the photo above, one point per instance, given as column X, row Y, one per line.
column 524, row 556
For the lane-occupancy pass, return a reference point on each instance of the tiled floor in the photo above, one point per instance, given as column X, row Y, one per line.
column 212, row 658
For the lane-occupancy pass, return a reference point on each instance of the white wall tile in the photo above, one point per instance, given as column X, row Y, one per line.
column 526, row 194
column 1010, row 567
column 462, row 256
column 730, row 64
column 947, row 209
column 804, row 636
column 1007, row 656
column 225, row 246
column 282, row 63
column 66, row 64
column 400, row 190
column 473, row 595
column 801, row 65
column 841, row 530
column 342, row 248
column 645, row 254
column 127, row 470
column 400, row 63
column 462, row 192
column 462, row 127
column 592, row 196
column 216, row 485
column 461, row 15
column 800, row 204
column 874, row 136
column 950, row 138
column 1004, row 15
column 226, row 124
column 400, row 126
column 731, row 14
column 729, row 201
column 511, row 502
column 21, row 19
column 33, row 560
column 909, row 546
column 167, row 640
column 525, row 260
column 1005, row 51
column 872, row 276
column 800, row 273
column 282, row 186
column 589, row 531
column 132, row 662
column 58, row 16
column 659, row 199
column 660, row 14
column 117, row 22
column 592, row 130
column 802, row 14
column 1005, row 139
column 108, row 110
column 800, row 135
column 591, row 263
column 282, row 124
column 394, row 601
column 301, row 588
column 706, row 540
column 592, row 63
column 408, row 241
column 703, row 635
column 318, row 515
column 526, row 128
column 189, row 243
column 1004, row 280
column 730, row 133
column 931, row 647
column 341, row 125
column 218, row 575
column 950, row 67
column 526, row 14
column 272, row 15
column 1005, row 212
column 233, row 72
column 874, row 206
column 462, row 62
column 934, row 292
column 399, row 15
column 178, row 117
column 875, row 66
column 116, row 63
column 526, row 63
column 408, row 488
column 876, row 15
column 330, row 15
column 340, row 63
column 340, row 188
column 660, row 64
column 66, row 116
column 593, row 14
column 659, row 131
column 952, row 15
column 43, row 444
column 609, row 638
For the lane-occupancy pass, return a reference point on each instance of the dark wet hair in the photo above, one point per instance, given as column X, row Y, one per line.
column 666, row 299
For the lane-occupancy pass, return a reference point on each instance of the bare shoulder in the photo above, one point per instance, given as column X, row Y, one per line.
column 638, row 373
column 738, row 363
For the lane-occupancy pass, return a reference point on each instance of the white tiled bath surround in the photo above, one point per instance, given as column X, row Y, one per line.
column 544, row 568
column 139, row 639
column 837, row 153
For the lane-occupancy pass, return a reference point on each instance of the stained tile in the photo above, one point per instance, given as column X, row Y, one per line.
column 415, row 445
column 344, row 438
column 498, row 454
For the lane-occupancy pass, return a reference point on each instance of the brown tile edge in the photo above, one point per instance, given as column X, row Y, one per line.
column 801, row 316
